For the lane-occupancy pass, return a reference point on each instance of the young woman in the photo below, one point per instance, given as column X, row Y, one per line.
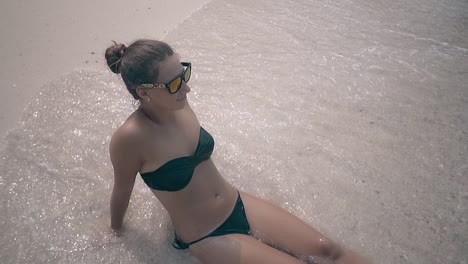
column 164, row 142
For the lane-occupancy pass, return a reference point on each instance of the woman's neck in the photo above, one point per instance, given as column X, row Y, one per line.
column 158, row 116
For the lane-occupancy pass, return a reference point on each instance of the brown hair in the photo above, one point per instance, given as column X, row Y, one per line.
column 137, row 63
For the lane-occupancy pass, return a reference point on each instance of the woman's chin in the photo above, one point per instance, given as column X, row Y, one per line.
column 180, row 104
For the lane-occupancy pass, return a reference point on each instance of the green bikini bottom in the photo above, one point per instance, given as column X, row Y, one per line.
column 236, row 223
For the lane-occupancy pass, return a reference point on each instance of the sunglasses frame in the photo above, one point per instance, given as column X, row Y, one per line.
column 168, row 85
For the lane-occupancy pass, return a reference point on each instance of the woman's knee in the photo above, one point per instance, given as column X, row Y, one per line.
column 329, row 249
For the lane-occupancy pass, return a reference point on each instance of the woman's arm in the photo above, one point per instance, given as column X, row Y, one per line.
column 125, row 157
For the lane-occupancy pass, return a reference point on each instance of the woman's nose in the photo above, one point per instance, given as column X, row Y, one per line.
column 185, row 87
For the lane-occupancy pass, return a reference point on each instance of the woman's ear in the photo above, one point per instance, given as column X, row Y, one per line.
column 140, row 91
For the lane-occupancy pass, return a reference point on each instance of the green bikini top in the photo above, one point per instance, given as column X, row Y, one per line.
column 175, row 174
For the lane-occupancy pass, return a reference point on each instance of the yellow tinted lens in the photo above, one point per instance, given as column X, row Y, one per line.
column 187, row 74
column 174, row 86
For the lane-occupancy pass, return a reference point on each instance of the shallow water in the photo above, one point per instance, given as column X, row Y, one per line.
column 352, row 115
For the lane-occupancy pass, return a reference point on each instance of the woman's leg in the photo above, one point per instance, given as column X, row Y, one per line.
column 238, row 249
column 279, row 228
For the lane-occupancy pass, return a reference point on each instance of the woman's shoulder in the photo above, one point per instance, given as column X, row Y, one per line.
column 128, row 135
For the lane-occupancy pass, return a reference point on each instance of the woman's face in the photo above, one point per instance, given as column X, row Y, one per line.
column 169, row 69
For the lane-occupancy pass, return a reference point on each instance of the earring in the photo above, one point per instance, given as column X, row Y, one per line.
column 148, row 99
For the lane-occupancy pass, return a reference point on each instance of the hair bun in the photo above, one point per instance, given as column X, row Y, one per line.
column 114, row 56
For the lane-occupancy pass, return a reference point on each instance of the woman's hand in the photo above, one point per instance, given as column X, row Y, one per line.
column 118, row 231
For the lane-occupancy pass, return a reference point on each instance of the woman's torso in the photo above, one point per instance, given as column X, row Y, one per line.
column 207, row 200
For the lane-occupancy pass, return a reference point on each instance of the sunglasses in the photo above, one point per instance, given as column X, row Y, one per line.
column 174, row 85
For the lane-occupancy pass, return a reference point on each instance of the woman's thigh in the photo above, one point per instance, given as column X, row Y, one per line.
column 238, row 249
column 279, row 228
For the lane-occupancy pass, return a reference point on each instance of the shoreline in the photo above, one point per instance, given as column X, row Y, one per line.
column 45, row 41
